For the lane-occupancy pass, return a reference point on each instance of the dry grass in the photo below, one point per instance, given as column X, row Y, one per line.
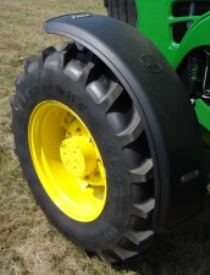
column 28, row 243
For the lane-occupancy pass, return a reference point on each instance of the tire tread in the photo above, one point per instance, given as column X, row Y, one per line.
column 107, row 92
column 124, row 10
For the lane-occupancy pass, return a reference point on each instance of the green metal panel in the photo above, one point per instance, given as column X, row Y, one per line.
column 156, row 21
column 195, row 37
column 203, row 113
column 153, row 21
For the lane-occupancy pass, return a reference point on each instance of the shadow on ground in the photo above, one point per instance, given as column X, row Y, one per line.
column 185, row 251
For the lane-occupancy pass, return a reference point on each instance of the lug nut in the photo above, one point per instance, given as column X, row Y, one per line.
column 77, row 129
column 96, row 175
column 68, row 135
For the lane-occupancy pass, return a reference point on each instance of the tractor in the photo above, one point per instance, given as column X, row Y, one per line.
column 111, row 129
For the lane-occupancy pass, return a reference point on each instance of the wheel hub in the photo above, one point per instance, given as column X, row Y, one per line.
column 78, row 156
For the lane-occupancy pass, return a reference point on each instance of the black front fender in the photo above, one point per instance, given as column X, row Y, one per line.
column 168, row 116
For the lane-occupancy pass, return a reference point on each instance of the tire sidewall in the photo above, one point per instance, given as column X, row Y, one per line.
column 108, row 227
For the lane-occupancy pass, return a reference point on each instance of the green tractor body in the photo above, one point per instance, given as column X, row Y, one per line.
column 175, row 27
column 105, row 127
column 178, row 29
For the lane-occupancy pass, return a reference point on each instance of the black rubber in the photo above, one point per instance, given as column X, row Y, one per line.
column 124, row 10
column 74, row 76
column 164, row 107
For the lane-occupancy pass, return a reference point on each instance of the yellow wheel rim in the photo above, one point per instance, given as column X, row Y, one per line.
column 67, row 161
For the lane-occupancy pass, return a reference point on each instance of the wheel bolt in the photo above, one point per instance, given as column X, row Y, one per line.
column 77, row 129
column 96, row 175
column 68, row 135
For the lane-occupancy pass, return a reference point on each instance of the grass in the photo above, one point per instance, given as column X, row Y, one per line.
column 28, row 243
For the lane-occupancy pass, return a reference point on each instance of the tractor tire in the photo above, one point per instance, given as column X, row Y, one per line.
column 124, row 10
column 84, row 152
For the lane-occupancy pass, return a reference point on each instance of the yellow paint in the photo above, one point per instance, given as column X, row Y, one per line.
column 67, row 161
